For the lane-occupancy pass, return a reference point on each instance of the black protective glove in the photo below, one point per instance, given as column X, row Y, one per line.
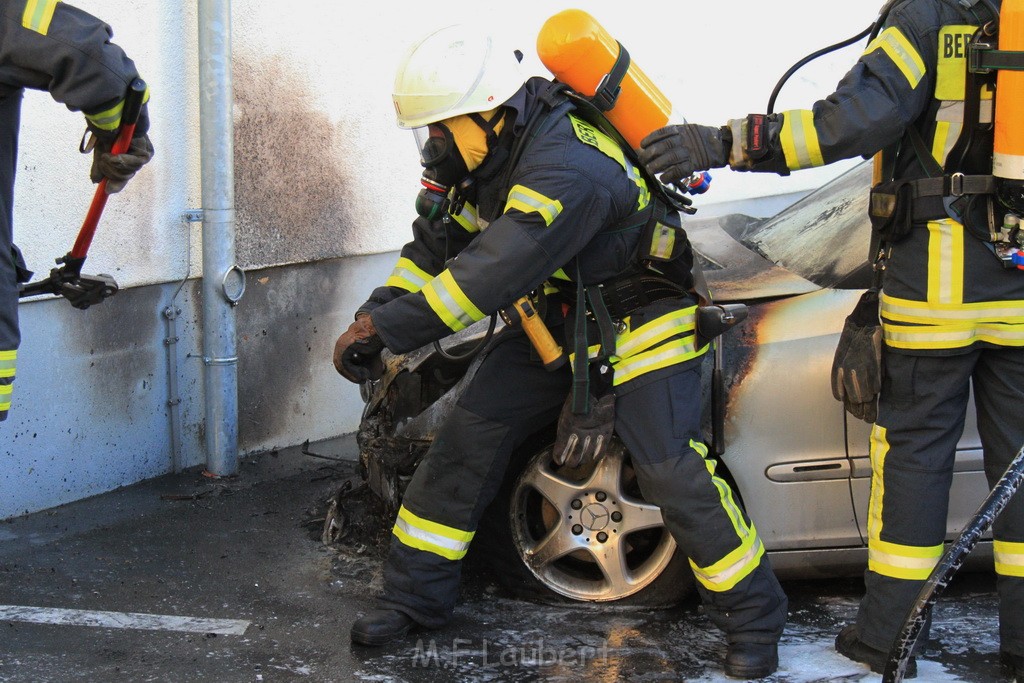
column 357, row 352
column 857, row 366
column 581, row 438
column 677, row 152
column 118, row 169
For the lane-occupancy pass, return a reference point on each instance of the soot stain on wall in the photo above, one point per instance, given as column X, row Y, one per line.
column 292, row 185
column 284, row 337
column 120, row 338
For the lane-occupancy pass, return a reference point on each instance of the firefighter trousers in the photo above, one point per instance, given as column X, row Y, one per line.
column 921, row 413
column 10, row 110
column 510, row 398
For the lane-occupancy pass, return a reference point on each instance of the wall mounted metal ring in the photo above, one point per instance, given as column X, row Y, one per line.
column 233, row 299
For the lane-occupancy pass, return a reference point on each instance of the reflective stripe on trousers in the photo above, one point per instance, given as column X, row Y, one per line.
column 921, row 415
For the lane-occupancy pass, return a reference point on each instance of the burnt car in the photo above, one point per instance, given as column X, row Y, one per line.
column 798, row 462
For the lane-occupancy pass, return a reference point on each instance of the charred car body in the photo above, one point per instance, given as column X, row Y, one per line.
column 799, row 463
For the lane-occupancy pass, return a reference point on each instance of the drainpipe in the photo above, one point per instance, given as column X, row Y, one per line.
column 223, row 280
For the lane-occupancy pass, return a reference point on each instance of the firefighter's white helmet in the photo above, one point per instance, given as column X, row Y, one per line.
column 452, row 71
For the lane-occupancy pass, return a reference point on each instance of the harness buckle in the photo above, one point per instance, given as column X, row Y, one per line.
column 976, row 53
column 956, row 184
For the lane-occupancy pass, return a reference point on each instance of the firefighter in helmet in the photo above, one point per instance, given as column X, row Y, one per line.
column 948, row 313
column 525, row 195
column 50, row 45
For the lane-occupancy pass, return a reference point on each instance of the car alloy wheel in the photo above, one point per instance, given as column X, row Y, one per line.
column 588, row 534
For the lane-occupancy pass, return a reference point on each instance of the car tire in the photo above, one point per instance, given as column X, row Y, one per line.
column 607, row 545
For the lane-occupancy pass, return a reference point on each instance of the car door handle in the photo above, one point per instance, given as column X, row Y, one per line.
column 813, row 470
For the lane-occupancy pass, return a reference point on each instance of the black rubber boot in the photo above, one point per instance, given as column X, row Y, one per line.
column 381, row 626
column 849, row 645
column 1012, row 665
column 751, row 660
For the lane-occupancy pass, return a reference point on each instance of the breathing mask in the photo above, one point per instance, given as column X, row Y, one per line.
column 450, row 150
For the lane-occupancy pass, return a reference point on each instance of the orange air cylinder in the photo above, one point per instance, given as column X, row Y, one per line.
column 1008, row 151
column 579, row 52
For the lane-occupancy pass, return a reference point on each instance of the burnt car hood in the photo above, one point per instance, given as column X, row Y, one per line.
column 821, row 241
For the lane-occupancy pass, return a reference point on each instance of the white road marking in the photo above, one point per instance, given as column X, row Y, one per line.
column 98, row 619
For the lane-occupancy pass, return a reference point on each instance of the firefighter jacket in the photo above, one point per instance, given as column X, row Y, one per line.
column 50, row 46
column 945, row 291
column 571, row 205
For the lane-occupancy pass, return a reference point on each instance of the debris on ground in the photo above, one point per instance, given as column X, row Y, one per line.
column 353, row 523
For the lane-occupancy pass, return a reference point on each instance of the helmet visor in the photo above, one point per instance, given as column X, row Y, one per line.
column 435, row 143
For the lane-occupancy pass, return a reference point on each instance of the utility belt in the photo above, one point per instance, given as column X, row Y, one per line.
column 896, row 206
column 624, row 296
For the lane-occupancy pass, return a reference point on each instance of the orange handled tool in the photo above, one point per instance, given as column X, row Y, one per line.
column 523, row 312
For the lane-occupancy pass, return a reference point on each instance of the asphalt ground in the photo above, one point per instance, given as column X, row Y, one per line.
column 187, row 578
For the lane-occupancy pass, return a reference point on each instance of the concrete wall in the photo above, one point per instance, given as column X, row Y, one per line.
column 324, row 190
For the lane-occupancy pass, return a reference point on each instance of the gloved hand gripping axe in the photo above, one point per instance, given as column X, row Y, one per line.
column 68, row 281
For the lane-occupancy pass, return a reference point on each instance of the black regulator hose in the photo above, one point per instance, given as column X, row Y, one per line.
column 814, row 55
column 476, row 347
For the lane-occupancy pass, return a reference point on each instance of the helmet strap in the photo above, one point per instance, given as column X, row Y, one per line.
column 498, row 144
column 488, row 126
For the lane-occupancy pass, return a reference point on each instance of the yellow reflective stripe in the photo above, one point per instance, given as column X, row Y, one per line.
column 5, row 396
column 110, row 119
column 645, row 349
column 933, row 325
column 951, row 336
column 664, row 241
column 526, row 200
column 724, row 492
column 8, row 360
column 925, row 313
column 408, row 276
column 560, row 274
column 590, row 135
column 733, row 568
column 450, row 303
column 799, row 140
column 593, row 351
column 879, row 450
column 633, row 173
column 942, row 143
column 422, row 534
column 901, row 52
column 468, row 218
column 644, row 198
column 670, row 353
column 909, row 562
column 891, row 559
column 644, row 337
column 38, row 14
column 1009, row 558
column 945, row 262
